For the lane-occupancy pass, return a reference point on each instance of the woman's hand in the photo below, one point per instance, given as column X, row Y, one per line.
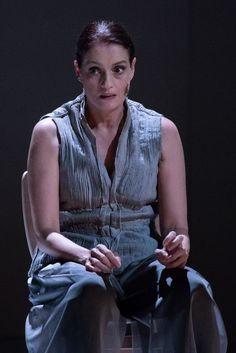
column 175, row 250
column 102, row 259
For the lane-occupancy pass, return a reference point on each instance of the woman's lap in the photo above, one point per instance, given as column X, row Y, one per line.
column 162, row 300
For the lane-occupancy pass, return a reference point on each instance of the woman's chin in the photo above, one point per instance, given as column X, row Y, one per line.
column 109, row 104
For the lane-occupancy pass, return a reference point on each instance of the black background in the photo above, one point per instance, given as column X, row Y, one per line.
column 185, row 70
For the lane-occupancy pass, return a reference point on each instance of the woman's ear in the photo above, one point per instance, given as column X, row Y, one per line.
column 77, row 70
column 133, row 67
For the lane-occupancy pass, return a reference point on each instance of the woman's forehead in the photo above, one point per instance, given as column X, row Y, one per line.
column 101, row 52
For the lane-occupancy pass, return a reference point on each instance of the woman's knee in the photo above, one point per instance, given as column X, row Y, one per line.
column 94, row 290
column 198, row 285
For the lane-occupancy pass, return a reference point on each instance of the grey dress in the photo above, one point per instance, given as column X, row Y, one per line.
column 77, row 311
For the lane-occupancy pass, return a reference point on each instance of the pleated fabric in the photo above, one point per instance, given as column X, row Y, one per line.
column 77, row 311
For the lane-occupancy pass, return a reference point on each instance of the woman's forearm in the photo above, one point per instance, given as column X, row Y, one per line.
column 57, row 245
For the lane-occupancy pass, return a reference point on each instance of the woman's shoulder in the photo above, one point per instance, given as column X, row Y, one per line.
column 168, row 126
column 66, row 108
column 45, row 131
column 137, row 107
column 45, row 126
column 170, row 136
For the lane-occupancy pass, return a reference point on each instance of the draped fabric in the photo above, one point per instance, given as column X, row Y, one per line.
column 77, row 311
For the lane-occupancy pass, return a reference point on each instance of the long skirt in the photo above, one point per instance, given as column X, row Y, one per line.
column 75, row 311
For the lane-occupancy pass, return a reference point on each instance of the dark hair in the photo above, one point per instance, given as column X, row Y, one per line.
column 106, row 32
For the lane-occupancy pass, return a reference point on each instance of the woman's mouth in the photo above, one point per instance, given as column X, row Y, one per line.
column 107, row 96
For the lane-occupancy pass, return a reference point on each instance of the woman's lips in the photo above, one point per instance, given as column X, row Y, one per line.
column 107, row 96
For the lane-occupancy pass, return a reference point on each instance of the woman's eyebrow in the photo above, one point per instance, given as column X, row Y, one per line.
column 92, row 62
column 120, row 62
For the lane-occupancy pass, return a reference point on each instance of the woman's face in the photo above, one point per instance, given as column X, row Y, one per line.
column 105, row 74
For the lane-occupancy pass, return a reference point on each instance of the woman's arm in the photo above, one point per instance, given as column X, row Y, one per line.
column 43, row 177
column 172, row 199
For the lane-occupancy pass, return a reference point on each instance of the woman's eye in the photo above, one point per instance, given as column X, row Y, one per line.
column 119, row 69
column 94, row 70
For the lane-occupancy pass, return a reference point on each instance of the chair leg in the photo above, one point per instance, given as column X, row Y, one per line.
column 127, row 343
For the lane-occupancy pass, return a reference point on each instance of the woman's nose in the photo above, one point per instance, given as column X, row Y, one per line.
column 106, row 81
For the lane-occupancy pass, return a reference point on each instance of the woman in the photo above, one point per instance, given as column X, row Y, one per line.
column 96, row 166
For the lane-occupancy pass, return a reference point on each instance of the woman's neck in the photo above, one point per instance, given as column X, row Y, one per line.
column 106, row 120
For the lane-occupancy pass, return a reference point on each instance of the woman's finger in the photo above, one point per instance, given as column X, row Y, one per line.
column 89, row 267
column 114, row 259
column 178, row 259
column 93, row 264
column 162, row 256
column 178, row 263
column 96, row 253
column 175, row 243
column 169, row 238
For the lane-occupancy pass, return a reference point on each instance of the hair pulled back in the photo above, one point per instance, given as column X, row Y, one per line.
column 108, row 32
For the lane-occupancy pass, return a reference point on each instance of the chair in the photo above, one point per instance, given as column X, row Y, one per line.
column 32, row 245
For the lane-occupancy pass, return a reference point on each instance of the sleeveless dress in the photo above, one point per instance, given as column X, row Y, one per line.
column 77, row 311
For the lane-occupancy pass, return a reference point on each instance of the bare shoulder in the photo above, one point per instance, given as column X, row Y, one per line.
column 44, row 145
column 168, row 127
column 170, row 136
column 45, row 131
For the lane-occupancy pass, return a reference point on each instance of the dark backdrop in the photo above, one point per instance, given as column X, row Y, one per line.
column 185, row 70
